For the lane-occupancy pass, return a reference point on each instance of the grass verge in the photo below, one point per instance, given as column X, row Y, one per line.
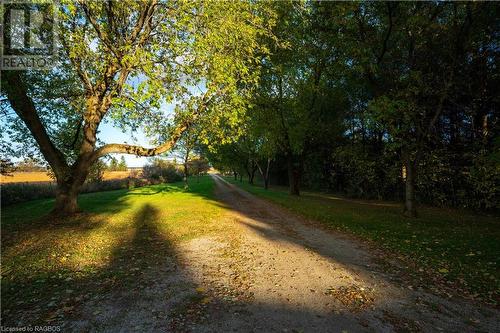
column 458, row 249
column 49, row 266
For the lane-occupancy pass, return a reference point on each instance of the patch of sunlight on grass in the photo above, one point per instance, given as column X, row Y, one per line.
column 120, row 232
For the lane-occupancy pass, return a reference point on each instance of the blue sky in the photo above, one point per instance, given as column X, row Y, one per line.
column 110, row 134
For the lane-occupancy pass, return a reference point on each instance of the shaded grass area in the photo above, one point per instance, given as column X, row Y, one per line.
column 457, row 248
column 49, row 266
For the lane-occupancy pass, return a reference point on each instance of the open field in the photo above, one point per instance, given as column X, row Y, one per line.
column 42, row 176
column 457, row 248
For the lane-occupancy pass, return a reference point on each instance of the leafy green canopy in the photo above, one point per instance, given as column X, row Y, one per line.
column 201, row 57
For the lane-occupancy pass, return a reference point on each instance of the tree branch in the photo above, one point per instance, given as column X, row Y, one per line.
column 102, row 36
column 25, row 108
column 77, row 64
column 145, row 18
column 140, row 23
column 384, row 45
column 141, row 151
column 77, row 134
column 166, row 146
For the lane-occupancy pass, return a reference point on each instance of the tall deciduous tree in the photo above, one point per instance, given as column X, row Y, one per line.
column 413, row 53
column 382, row 100
column 185, row 150
column 298, row 97
column 123, row 60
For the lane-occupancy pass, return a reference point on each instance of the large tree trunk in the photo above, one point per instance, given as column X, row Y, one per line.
column 70, row 178
column 68, row 187
column 294, row 175
column 251, row 172
column 410, row 208
column 186, row 185
column 265, row 174
column 186, row 169
column 266, row 183
column 66, row 202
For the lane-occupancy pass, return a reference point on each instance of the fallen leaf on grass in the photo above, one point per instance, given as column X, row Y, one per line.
column 353, row 297
column 206, row 300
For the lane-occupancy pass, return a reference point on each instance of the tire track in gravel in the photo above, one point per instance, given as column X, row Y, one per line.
column 298, row 277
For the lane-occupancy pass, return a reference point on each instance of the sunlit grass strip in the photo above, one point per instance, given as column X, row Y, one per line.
column 456, row 247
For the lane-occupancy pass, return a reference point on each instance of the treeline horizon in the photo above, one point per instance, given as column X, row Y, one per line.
column 378, row 100
column 384, row 100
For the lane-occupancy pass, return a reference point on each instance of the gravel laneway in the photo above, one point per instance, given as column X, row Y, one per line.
column 301, row 278
column 271, row 271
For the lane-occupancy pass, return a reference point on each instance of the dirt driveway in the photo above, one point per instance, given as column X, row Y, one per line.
column 272, row 271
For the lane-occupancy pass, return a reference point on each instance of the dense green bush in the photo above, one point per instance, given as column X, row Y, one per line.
column 357, row 173
column 466, row 180
column 444, row 178
column 484, row 178
column 162, row 171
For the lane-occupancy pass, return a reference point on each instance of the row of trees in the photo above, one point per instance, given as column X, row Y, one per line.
column 378, row 100
column 122, row 61
column 159, row 169
column 115, row 165
column 29, row 164
column 375, row 99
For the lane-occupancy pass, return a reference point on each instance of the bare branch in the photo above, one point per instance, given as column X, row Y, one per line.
column 102, row 35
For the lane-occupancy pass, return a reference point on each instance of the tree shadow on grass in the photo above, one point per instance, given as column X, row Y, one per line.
column 137, row 279
column 50, row 291
column 142, row 281
column 278, row 225
column 142, row 285
column 139, row 271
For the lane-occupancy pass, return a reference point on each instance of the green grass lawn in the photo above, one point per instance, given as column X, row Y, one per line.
column 124, row 235
column 459, row 248
column 52, row 264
